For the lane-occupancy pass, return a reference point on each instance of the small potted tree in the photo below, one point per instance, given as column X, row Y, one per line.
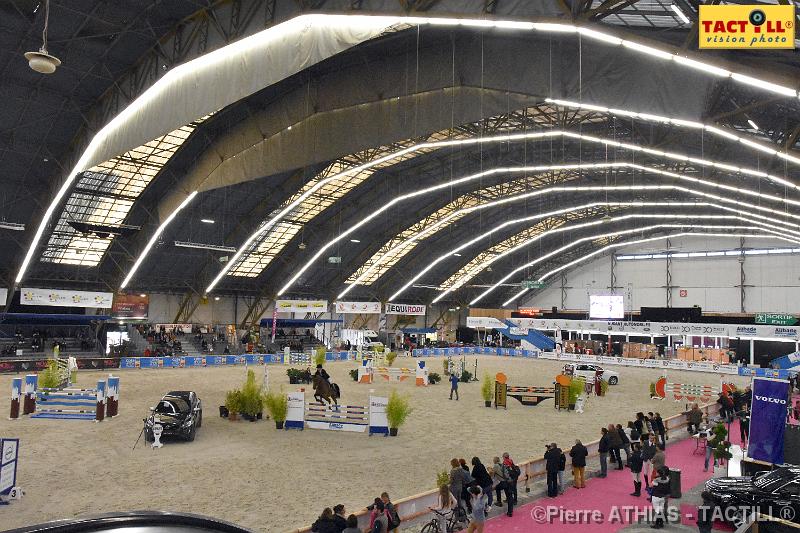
column 576, row 387
column 354, row 374
column 319, row 356
column 466, row 376
column 397, row 410
column 278, row 407
column 390, row 357
column 295, row 375
column 434, row 378
column 487, row 389
column 233, row 403
column 721, row 449
column 252, row 398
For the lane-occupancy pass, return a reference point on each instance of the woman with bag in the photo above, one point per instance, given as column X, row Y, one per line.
column 483, row 479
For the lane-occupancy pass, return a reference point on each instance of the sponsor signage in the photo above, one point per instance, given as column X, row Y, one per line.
column 301, row 306
column 9, row 454
column 777, row 319
column 767, row 420
column 130, row 306
column 368, row 308
column 746, row 26
column 64, row 298
column 405, row 309
column 484, row 322
column 532, row 284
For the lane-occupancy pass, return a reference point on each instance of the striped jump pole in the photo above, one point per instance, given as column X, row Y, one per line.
column 16, row 394
column 100, row 410
column 29, row 401
column 112, row 407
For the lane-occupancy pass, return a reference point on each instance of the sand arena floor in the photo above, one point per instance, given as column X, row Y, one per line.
column 270, row 480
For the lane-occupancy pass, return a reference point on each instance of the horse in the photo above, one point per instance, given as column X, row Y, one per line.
column 325, row 391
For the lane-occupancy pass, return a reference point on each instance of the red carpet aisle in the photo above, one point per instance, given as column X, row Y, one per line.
column 603, row 494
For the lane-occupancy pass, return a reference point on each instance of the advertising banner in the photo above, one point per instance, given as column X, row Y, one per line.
column 58, row 297
column 369, row 308
column 301, row 306
column 130, row 306
column 405, row 309
column 484, row 322
column 768, row 420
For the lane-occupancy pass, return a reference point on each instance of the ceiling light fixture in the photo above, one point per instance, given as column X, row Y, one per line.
column 202, row 246
column 355, row 241
column 42, row 61
column 206, row 220
column 752, row 124
column 681, row 14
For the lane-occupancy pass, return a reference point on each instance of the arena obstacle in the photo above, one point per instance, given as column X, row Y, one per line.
column 367, row 373
column 351, row 418
column 458, row 366
column 65, row 403
column 689, row 392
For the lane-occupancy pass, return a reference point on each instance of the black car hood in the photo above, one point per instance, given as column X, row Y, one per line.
column 171, row 420
column 731, row 485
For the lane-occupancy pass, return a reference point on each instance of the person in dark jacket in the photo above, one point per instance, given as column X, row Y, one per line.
column 636, row 468
column 659, row 496
column 465, row 496
column 562, row 466
column 602, row 449
column 660, row 429
column 578, row 454
column 339, row 518
column 614, row 445
column 648, row 452
column 483, row 479
column 695, row 418
column 725, row 407
column 642, row 426
column 553, row 458
column 325, row 523
column 705, row 513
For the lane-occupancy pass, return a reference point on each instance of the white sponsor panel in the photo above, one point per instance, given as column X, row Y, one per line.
column 65, row 298
column 484, row 322
column 405, row 309
column 368, row 308
column 676, row 364
column 3, row 296
column 518, row 331
column 301, row 306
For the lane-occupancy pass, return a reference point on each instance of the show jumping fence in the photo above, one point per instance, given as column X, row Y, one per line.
column 367, row 373
column 63, row 402
column 352, row 418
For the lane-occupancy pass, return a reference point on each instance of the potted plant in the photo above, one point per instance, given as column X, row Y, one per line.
column 252, row 398
column 466, row 376
column 652, row 390
column 278, row 407
column 295, row 375
column 442, row 478
column 390, row 357
column 434, row 378
column 397, row 410
column 319, row 356
column 721, row 449
column 576, row 387
column 487, row 389
column 233, row 403
column 446, row 367
column 354, row 374
column 48, row 378
column 603, row 387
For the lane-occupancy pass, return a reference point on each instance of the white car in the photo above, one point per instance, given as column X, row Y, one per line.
column 588, row 371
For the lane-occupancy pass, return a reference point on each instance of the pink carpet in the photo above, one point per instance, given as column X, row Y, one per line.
column 600, row 495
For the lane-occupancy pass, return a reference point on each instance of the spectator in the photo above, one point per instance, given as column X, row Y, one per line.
column 648, row 452
column 458, row 479
column 391, row 511
column 659, row 496
column 642, row 426
column 562, row 466
column 513, row 475
column 659, row 458
column 483, row 479
column 636, row 468
column 478, row 500
column 695, row 418
column 325, row 523
column 725, row 407
column 352, row 525
column 339, row 519
column 465, row 488
column 614, row 445
column 578, row 454
column 447, row 503
column 453, row 385
column 626, row 443
column 602, row 448
column 552, row 457
column 633, row 433
column 660, row 430
column 705, row 513
column 502, row 480
column 378, row 519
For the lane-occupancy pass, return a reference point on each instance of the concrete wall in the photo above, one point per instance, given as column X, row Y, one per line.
column 772, row 282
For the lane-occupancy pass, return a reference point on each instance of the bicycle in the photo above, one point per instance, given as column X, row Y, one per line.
column 455, row 520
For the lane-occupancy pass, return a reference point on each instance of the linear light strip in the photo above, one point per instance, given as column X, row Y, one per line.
column 634, row 230
column 300, row 24
column 709, row 253
column 465, row 278
column 494, row 229
column 489, row 172
column 154, row 239
column 678, row 122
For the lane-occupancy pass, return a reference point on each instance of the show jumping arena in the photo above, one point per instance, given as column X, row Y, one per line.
column 276, row 480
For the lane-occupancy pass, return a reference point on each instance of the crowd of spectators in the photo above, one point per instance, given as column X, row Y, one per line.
column 165, row 342
column 36, row 339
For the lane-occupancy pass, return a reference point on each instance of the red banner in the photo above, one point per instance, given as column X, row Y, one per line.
column 130, row 306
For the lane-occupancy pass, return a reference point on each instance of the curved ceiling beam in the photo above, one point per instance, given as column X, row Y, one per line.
column 589, row 138
column 741, row 215
column 639, row 241
column 613, row 234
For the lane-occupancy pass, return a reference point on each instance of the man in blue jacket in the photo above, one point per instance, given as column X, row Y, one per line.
column 453, row 385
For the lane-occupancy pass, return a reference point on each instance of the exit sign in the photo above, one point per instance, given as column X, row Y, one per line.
column 775, row 319
column 531, row 284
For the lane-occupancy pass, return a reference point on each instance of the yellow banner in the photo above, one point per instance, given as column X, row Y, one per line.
column 746, row 26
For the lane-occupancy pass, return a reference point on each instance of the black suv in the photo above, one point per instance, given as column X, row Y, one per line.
column 180, row 413
column 776, row 492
